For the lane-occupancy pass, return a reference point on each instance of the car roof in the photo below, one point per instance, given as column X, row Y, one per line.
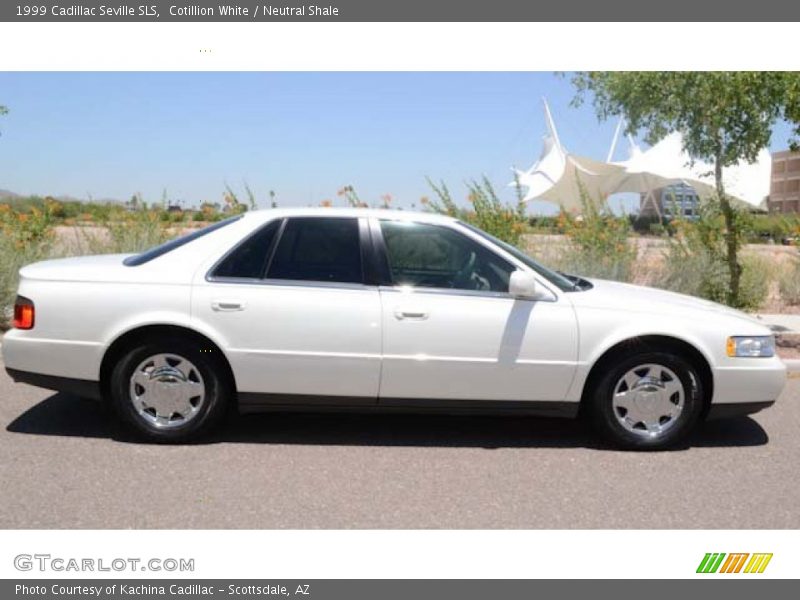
column 380, row 213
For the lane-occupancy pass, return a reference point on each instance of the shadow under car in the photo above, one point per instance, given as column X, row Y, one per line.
column 66, row 415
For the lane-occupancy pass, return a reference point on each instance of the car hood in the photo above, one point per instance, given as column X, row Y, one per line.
column 637, row 298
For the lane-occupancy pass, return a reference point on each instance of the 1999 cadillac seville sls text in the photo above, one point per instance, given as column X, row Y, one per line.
column 362, row 309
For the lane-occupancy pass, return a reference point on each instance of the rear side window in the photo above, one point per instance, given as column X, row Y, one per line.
column 249, row 259
column 155, row 252
column 318, row 249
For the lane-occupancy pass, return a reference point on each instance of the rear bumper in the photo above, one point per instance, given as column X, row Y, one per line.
column 62, row 358
column 78, row 387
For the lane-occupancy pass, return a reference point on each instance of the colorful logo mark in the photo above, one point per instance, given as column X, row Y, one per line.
column 719, row 562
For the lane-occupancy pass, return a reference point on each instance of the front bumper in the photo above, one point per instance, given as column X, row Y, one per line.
column 739, row 409
column 755, row 381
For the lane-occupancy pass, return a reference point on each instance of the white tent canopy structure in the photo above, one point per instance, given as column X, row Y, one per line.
column 750, row 182
column 660, row 166
column 666, row 163
column 558, row 175
column 663, row 164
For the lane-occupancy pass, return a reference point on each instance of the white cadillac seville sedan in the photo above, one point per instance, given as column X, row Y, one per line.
column 378, row 310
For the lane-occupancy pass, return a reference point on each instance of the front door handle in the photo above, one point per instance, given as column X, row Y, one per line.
column 227, row 305
column 410, row 315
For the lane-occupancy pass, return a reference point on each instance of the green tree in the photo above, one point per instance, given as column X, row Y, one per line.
column 724, row 117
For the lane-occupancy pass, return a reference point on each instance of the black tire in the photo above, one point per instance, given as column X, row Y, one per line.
column 605, row 417
column 218, row 391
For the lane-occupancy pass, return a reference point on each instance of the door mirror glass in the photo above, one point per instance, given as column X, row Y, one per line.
column 522, row 284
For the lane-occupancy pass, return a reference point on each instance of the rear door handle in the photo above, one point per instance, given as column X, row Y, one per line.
column 410, row 315
column 227, row 305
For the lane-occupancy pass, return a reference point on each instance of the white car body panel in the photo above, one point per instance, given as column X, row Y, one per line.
column 347, row 340
column 297, row 339
column 613, row 312
column 477, row 347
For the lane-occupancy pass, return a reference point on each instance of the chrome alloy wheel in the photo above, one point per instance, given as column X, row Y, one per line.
column 648, row 400
column 167, row 390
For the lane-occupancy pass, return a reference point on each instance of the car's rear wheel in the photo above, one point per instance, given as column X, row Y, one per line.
column 169, row 391
column 647, row 400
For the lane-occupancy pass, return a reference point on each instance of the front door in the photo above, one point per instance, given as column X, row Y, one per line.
column 451, row 330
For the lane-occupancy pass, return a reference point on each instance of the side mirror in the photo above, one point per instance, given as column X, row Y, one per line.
column 523, row 285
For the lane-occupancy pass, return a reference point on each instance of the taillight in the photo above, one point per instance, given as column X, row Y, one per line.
column 24, row 313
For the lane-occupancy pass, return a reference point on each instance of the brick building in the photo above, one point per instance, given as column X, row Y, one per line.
column 784, row 189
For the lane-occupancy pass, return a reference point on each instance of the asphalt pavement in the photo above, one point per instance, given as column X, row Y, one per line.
column 65, row 464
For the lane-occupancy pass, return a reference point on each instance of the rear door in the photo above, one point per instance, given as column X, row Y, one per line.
column 299, row 321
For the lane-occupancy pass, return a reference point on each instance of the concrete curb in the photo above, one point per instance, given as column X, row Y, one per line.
column 781, row 323
column 792, row 367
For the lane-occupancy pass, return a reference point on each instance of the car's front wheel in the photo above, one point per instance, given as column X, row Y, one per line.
column 169, row 391
column 647, row 400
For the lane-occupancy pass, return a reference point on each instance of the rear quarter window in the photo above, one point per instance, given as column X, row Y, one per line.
column 249, row 259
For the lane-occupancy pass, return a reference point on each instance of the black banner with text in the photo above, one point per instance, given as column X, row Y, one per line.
column 386, row 589
column 407, row 10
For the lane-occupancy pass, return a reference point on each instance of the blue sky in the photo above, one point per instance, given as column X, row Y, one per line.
column 303, row 135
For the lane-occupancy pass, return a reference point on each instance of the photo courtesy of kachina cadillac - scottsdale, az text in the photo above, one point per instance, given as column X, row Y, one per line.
column 400, row 300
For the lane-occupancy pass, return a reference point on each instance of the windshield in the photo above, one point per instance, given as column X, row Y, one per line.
column 155, row 252
column 563, row 283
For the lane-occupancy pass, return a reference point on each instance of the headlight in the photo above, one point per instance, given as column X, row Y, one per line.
column 751, row 347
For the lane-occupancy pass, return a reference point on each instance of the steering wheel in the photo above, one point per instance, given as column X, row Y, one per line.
column 464, row 274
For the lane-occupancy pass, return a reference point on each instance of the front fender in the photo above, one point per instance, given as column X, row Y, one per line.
column 597, row 338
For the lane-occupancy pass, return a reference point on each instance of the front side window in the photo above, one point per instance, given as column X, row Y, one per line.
column 318, row 249
column 432, row 256
column 559, row 280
